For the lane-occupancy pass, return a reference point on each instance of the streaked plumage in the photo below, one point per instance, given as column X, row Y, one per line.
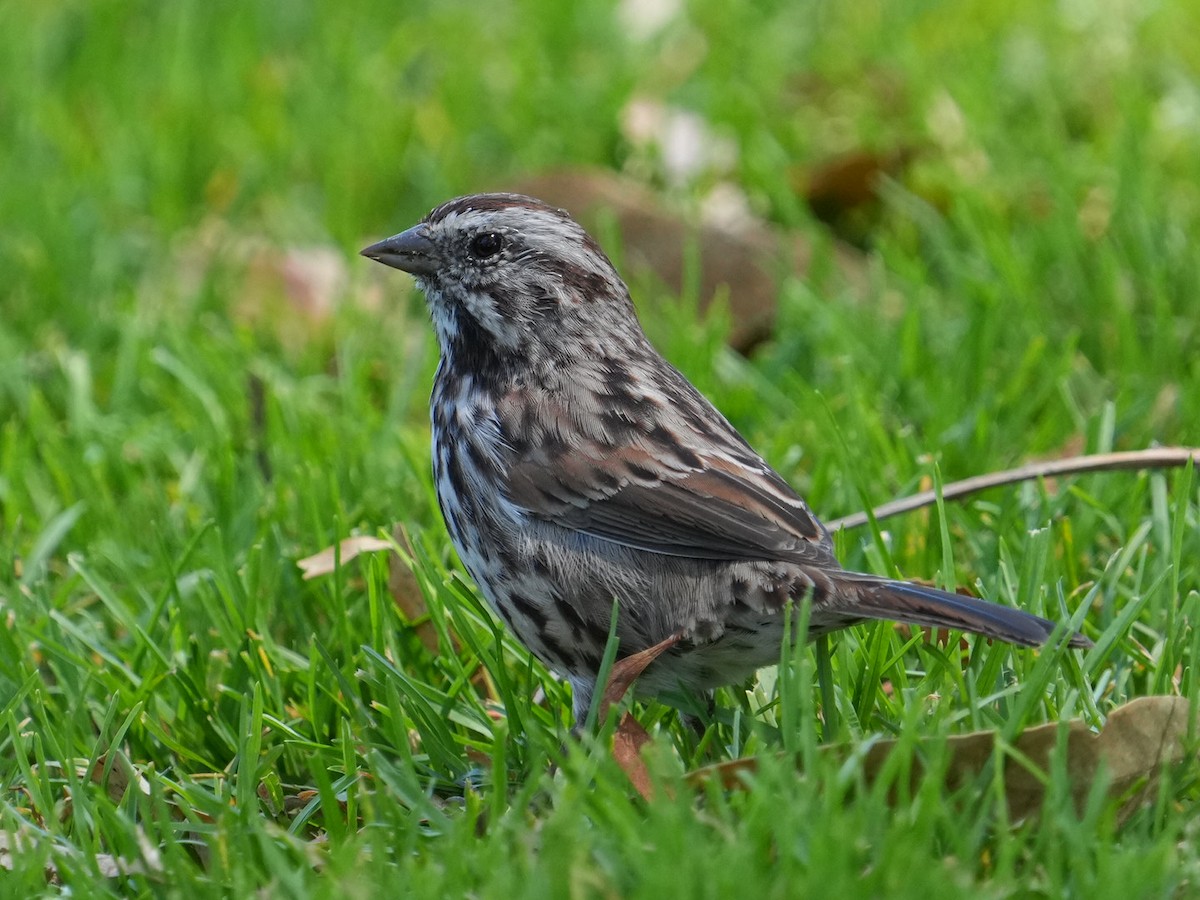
column 575, row 465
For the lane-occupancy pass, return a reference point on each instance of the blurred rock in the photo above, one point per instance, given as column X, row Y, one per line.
column 749, row 259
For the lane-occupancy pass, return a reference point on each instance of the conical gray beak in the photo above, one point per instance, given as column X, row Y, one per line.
column 410, row 251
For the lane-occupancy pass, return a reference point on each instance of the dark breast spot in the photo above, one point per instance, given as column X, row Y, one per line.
column 459, row 484
column 530, row 610
column 571, row 616
column 554, row 653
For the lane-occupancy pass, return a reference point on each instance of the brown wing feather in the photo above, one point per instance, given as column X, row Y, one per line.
column 718, row 510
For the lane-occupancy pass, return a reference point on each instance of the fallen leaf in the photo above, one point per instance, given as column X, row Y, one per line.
column 323, row 563
column 626, row 671
column 296, row 283
column 1138, row 742
column 313, row 278
column 121, row 774
column 109, row 866
column 630, row 736
column 628, row 741
column 843, row 192
column 290, row 293
column 6, row 848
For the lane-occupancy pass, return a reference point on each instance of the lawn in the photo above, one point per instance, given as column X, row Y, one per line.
column 202, row 384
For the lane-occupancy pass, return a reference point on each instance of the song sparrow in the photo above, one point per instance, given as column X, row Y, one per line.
column 575, row 466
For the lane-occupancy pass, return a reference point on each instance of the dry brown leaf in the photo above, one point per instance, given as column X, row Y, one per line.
column 630, row 736
column 628, row 741
column 297, row 283
column 746, row 263
column 108, row 865
column 838, row 187
column 626, row 671
column 323, row 563
column 291, row 293
column 7, row 846
column 312, row 278
column 1139, row 741
column 121, row 774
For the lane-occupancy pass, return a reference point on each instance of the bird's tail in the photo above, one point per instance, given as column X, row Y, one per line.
column 916, row 604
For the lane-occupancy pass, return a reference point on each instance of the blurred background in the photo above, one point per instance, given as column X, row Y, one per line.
column 893, row 242
column 890, row 205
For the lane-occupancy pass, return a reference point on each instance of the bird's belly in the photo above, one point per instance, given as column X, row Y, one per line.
column 555, row 589
column 729, row 659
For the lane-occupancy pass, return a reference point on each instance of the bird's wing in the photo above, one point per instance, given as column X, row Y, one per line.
column 717, row 506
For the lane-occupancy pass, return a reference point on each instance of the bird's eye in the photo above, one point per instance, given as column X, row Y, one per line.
column 486, row 244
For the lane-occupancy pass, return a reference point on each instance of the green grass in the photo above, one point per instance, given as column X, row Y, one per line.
column 1033, row 290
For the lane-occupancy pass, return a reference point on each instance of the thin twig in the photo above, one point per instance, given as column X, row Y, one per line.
column 1156, row 458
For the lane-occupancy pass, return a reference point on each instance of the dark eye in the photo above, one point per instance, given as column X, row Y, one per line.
column 486, row 244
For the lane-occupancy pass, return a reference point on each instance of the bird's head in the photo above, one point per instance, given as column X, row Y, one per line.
column 510, row 276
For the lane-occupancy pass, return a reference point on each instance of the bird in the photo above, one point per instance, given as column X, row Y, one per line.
column 576, row 468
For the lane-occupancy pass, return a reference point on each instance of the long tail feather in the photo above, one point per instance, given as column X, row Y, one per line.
column 916, row 604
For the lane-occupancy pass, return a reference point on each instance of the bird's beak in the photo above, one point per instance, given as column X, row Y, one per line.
column 410, row 251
